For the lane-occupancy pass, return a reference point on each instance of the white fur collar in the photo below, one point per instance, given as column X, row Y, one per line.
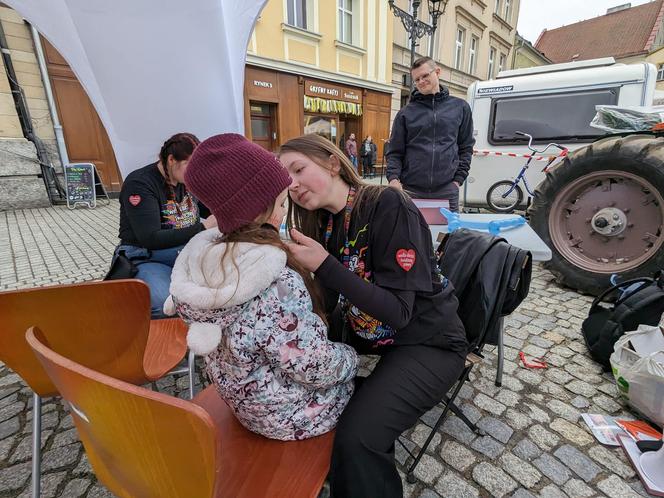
column 199, row 280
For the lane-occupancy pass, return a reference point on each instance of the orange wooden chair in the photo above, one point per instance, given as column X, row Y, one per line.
column 145, row 444
column 104, row 325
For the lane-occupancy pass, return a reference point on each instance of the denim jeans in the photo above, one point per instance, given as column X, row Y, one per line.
column 154, row 268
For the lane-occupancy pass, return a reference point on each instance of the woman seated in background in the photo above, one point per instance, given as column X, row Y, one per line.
column 158, row 217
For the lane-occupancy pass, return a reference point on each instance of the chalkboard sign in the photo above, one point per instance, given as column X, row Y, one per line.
column 80, row 180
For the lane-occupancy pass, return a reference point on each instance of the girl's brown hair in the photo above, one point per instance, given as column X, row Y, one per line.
column 319, row 150
column 260, row 232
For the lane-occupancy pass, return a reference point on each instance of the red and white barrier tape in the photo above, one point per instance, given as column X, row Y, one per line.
column 512, row 154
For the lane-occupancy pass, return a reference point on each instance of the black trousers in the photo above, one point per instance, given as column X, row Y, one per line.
column 407, row 382
column 367, row 166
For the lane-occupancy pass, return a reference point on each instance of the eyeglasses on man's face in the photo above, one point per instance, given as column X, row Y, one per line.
column 424, row 76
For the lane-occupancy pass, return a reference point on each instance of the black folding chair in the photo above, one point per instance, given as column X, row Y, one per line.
column 479, row 321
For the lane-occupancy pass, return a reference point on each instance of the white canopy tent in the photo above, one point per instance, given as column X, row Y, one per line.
column 153, row 67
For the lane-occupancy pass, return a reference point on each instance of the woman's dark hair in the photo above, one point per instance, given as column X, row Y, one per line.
column 181, row 146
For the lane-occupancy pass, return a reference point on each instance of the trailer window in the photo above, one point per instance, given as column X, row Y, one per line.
column 560, row 117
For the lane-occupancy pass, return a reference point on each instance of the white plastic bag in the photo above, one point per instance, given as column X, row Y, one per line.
column 640, row 377
column 621, row 119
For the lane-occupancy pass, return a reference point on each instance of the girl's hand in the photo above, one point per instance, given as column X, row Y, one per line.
column 306, row 251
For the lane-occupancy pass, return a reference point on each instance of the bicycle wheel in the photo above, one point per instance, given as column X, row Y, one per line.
column 500, row 201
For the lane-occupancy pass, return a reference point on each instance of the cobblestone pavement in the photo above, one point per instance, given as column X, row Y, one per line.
column 535, row 445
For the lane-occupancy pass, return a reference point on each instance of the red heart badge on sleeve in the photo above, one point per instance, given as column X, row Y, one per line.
column 406, row 258
column 134, row 200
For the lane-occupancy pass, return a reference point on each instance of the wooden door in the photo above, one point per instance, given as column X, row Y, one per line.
column 85, row 136
column 263, row 126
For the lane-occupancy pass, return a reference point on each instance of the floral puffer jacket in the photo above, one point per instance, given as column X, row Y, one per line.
column 267, row 351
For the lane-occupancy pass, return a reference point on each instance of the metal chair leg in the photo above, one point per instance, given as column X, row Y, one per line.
column 36, row 445
column 499, row 372
column 410, row 474
column 462, row 416
column 191, row 361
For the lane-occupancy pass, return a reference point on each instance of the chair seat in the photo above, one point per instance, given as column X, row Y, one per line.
column 252, row 465
column 166, row 346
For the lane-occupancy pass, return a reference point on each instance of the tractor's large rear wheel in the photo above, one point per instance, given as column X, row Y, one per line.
column 602, row 212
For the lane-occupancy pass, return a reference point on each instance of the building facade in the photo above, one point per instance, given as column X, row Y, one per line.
column 319, row 66
column 656, row 57
column 46, row 118
column 474, row 41
column 21, row 183
column 526, row 55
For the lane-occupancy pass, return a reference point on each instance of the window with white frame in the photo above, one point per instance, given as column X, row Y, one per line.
column 501, row 62
column 497, row 9
column 299, row 14
column 660, row 72
column 346, row 21
column 458, row 48
column 508, row 10
column 472, row 54
column 492, row 62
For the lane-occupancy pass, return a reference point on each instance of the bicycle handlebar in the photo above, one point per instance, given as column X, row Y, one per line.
column 533, row 149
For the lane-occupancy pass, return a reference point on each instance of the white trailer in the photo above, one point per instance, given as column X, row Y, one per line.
column 601, row 210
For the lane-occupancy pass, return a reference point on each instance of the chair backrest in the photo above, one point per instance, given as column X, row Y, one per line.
column 75, row 317
column 140, row 443
column 490, row 277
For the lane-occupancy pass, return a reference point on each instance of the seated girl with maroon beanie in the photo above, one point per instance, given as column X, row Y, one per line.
column 252, row 310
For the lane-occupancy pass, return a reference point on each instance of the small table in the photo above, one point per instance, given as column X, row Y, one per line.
column 523, row 237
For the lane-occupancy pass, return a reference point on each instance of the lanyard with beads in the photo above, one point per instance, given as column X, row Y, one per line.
column 345, row 258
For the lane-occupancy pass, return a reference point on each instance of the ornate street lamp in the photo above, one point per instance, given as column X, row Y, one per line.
column 415, row 28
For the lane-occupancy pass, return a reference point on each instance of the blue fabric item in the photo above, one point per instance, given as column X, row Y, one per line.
column 494, row 227
column 624, row 291
column 154, row 268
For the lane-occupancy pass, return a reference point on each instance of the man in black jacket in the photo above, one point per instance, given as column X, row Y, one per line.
column 432, row 139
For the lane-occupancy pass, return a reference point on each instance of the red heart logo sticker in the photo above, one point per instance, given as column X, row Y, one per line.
column 406, row 258
column 134, row 200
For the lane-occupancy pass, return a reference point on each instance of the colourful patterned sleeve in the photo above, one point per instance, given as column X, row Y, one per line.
column 294, row 338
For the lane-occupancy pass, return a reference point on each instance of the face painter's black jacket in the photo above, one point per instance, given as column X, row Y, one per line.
column 431, row 144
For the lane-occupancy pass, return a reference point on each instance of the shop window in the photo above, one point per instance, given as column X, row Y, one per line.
column 297, row 13
column 346, row 21
column 560, row 117
column 325, row 126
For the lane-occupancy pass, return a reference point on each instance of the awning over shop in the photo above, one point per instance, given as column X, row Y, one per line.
column 317, row 104
column 153, row 67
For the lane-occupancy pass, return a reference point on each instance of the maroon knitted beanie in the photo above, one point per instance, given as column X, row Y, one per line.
column 235, row 178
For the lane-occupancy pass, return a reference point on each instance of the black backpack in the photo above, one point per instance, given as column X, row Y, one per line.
column 610, row 317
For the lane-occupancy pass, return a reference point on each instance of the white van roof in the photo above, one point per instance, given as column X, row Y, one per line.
column 593, row 76
column 549, row 68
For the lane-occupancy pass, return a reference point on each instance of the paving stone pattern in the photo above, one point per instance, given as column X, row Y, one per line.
column 534, row 444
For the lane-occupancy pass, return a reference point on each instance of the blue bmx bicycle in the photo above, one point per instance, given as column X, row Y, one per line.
column 504, row 196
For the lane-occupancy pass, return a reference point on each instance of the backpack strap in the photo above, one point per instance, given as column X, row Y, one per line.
column 659, row 278
column 645, row 281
